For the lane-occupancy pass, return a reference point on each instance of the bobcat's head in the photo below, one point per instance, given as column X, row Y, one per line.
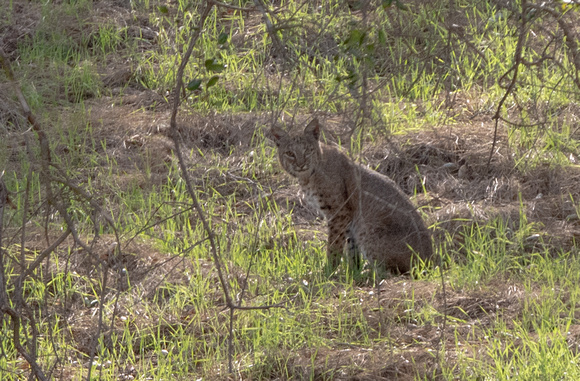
column 299, row 155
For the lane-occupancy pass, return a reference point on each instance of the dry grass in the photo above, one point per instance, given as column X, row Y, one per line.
column 344, row 330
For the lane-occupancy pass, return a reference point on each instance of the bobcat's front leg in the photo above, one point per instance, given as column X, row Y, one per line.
column 337, row 228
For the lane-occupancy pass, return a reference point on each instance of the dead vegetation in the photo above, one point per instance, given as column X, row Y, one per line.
column 417, row 327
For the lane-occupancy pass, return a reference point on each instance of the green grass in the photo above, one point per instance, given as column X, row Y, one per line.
column 511, row 292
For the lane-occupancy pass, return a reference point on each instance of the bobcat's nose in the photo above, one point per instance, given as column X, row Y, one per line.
column 302, row 167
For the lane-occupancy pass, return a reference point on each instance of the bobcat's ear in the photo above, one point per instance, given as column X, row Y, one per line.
column 277, row 134
column 313, row 129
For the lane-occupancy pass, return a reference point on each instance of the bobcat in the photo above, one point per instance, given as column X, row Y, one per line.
column 361, row 206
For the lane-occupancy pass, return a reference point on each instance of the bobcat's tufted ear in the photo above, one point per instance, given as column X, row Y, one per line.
column 277, row 134
column 313, row 129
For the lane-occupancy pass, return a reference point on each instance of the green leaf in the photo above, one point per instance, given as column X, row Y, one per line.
column 355, row 38
column 212, row 81
column 401, row 6
column 362, row 38
column 387, row 3
column 217, row 68
column 194, row 85
column 163, row 9
column 209, row 62
column 213, row 66
column 370, row 49
column 222, row 38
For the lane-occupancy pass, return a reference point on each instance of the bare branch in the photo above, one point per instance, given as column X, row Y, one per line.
column 570, row 39
column 175, row 136
column 177, row 141
column 510, row 87
column 270, row 27
column 16, row 318
column 4, row 305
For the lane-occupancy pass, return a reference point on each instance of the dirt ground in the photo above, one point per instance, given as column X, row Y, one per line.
column 459, row 188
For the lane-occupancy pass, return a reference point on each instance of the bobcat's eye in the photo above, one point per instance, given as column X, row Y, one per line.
column 289, row 155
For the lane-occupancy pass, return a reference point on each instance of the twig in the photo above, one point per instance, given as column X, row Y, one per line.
column 47, row 181
column 20, row 280
column 93, row 347
column 175, row 136
column 4, row 305
column 154, row 288
column 570, row 39
column 510, row 87
column 3, row 202
column 442, row 341
column 16, row 317
column 46, row 252
column 270, row 27
column 177, row 141
column 149, row 226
